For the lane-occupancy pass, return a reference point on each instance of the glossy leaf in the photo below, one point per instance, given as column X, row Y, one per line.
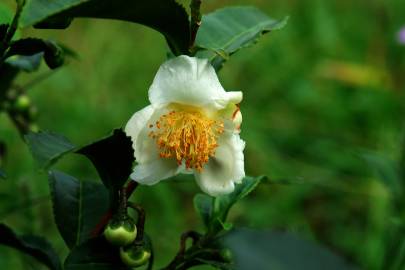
column 35, row 246
column 77, row 205
column 113, row 157
column 165, row 16
column 203, row 206
column 95, row 254
column 263, row 250
column 230, row 29
column 47, row 147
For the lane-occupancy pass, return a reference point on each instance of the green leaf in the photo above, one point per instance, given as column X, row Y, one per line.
column 263, row 250
column 95, row 254
column 35, row 246
column 113, row 157
column 224, row 203
column 166, row 16
column 26, row 63
column 230, row 29
column 2, row 174
column 77, row 206
column 48, row 147
column 203, row 205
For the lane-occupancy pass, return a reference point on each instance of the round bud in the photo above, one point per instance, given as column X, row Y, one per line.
column 226, row 254
column 120, row 232
column 134, row 256
column 22, row 102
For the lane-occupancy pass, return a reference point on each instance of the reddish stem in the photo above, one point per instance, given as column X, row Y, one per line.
column 107, row 216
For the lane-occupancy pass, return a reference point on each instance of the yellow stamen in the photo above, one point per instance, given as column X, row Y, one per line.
column 187, row 136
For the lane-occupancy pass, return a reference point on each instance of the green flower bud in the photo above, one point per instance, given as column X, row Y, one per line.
column 134, row 256
column 22, row 103
column 120, row 232
column 226, row 255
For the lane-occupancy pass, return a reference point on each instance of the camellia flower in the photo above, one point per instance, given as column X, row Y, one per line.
column 191, row 126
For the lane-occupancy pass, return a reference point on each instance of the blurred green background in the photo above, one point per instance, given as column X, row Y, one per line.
column 322, row 97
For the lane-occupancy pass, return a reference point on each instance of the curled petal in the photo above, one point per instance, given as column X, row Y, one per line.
column 190, row 81
column 225, row 169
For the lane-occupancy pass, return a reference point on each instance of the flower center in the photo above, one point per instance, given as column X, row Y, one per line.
column 188, row 136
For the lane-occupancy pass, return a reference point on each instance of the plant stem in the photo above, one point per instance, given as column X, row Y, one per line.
column 131, row 187
column 180, row 257
column 5, row 43
column 195, row 23
column 140, row 224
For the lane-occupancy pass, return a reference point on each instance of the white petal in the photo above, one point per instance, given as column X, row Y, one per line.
column 190, row 81
column 153, row 172
column 225, row 169
column 138, row 122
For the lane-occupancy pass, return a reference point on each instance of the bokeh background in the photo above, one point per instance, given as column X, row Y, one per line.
column 323, row 104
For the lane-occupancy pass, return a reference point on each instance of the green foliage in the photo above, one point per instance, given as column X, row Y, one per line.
column 230, row 29
column 282, row 251
column 95, row 254
column 113, row 157
column 214, row 211
column 166, row 16
column 37, row 247
column 48, row 147
column 78, row 207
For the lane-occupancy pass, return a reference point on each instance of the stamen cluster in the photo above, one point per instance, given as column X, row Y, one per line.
column 187, row 136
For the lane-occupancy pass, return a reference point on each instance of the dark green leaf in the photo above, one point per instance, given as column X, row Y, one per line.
column 165, row 16
column 113, row 157
column 95, row 254
column 228, row 30
column 37, row 247
column 78, row 206
column 263, row 250
column 53, row 54
column 48, row 147
column 26, row 63
column 203, row 206
column 224, row 203
column 2, row 174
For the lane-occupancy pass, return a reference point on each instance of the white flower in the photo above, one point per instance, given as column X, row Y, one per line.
column 191, row 126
